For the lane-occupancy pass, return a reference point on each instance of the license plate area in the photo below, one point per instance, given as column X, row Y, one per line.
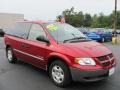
column 111, row 71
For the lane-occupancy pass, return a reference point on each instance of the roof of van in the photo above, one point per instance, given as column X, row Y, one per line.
column 39, row 22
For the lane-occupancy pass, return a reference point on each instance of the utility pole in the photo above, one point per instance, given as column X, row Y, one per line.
column 114, row 38
column 115, row 19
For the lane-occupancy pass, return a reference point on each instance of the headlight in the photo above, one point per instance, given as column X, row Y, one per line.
column 85, row 61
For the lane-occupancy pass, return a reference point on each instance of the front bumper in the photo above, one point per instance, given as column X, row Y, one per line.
column 88, row 76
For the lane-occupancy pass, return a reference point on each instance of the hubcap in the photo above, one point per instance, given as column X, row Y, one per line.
column 9, row 55
column 103, row 39
column 57, row 74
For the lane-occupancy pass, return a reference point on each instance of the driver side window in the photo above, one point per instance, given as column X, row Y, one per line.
column 36, row 30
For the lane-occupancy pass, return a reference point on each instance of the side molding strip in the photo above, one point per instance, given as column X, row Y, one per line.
column 40, row 58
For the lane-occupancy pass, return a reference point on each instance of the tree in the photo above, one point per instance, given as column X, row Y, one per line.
column 94, row 23
column 79, row 19
column 87, row 20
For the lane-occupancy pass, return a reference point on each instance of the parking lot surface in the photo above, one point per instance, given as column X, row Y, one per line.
column 22, row 76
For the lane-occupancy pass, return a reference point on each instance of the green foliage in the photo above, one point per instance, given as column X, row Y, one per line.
column 79, row 19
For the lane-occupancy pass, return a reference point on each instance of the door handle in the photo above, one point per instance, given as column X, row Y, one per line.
column 25, row 46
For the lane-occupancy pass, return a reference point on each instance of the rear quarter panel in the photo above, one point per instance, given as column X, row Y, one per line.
column 14, row 43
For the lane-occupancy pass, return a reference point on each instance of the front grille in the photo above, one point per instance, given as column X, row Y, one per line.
column 102, row 58
column 110, row 55
column 107, row 60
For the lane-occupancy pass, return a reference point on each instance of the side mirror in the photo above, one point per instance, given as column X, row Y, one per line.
column 2, row 33
column 42, row 38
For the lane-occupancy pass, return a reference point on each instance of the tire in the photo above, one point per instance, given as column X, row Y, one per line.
column 103, row 39
column 10, row 55
column 60, row 70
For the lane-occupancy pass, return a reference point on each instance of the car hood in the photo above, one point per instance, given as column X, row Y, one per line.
column 86, row 49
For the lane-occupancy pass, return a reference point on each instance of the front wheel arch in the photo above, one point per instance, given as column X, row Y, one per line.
column 54, row 58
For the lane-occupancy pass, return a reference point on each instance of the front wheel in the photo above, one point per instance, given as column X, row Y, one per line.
column 10, row 55
column 60, row 74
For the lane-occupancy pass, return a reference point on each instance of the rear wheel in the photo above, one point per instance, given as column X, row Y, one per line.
column 10, row 55
column 60, row 74
column 103, row 39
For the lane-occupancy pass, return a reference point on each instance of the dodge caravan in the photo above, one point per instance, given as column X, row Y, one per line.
column 62, row 50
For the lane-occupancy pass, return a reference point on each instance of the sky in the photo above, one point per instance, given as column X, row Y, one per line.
column 49, row 9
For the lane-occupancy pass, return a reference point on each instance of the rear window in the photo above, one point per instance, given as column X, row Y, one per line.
column 20, row 30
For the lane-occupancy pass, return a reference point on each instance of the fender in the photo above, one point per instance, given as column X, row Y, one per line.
column 63, row 57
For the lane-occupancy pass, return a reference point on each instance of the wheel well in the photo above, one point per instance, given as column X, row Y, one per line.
column 52, row 59
column 7, row 46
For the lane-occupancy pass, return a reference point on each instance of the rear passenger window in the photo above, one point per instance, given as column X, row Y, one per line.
column 36, row 30
column 21, row 30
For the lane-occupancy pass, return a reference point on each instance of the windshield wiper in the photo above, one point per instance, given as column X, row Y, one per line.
column 76, row 38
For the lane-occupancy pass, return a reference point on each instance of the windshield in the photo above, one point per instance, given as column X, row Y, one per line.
column 63, row 31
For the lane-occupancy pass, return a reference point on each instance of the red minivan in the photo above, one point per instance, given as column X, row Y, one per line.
column 62, row 50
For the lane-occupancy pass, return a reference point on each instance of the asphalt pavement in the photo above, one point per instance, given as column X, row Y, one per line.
column 22, row 76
